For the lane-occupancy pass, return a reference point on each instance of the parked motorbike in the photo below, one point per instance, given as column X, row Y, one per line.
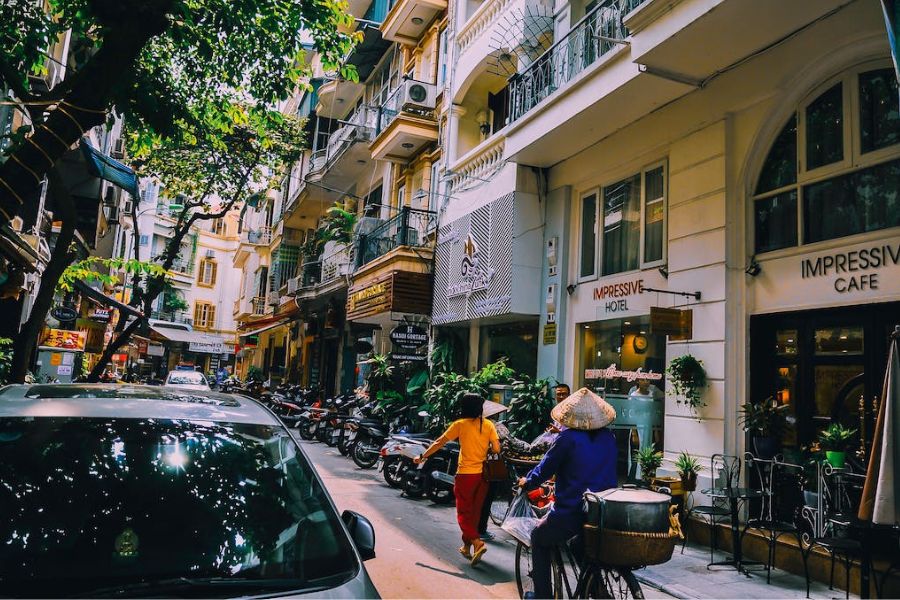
column 371, row 437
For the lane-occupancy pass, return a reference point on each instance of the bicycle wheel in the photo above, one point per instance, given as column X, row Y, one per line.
column 499, row 510
column 609, row 582
column 524, row 583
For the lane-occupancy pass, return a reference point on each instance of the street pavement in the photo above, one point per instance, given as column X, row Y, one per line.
column 416, row 540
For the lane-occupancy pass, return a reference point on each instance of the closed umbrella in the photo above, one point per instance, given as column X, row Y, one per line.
column 880, row 503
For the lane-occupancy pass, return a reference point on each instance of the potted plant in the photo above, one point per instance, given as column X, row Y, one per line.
column 688, row 466
column 765, row 422
column 688, row 379
column 649, row 459
column 834, row 441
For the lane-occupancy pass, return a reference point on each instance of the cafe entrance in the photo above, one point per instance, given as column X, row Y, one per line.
column 827, row 365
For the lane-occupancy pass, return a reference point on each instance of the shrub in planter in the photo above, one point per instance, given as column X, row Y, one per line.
column 688, row 466
column 765, row 422
column 834, row 441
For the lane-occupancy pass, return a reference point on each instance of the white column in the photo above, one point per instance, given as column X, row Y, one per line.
column 456, row 112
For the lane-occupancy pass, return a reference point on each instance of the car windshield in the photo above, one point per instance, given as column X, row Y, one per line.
column 95, row 503
column 186, row 378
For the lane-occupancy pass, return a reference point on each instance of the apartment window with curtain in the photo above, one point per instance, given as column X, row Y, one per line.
column 204, row 315
column 218, row 226
column 442, row 67
column 207, row 273
column 623, row 225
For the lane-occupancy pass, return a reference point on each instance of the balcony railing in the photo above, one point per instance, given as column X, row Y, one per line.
column 479, row 163
column 172, row 316
column 393, row 106
column 336, row 264
column 258, row 306
column 408, row 228
column 594, row 36
column 261, row 236
column 183, row 266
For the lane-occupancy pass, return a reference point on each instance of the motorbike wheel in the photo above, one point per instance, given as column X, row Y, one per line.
column 329, row 437
column 413, row 482
column 305, row 429
column 393, row 471
column 343, row 445
column 362, row 458
column 322, row 433
column 438, row 491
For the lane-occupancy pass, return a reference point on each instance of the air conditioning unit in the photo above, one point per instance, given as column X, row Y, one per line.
column 118, row 150
column 418, row 95
column 210, row 254
column 274, row 298
column 293, row 284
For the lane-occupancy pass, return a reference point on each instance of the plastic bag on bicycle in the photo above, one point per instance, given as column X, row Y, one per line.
column 520, row 520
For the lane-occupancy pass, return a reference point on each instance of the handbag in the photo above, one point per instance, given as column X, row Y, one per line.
column 494, row 468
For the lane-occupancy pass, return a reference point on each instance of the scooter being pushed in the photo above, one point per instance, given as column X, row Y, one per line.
column 396, row 456
column 434, row 477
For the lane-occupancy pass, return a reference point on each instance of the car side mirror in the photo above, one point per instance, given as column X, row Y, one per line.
column 362, row 533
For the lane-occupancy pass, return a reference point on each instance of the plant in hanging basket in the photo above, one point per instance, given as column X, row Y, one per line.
column 688, row 379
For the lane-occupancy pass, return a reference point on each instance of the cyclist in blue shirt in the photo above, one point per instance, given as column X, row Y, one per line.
column 582, row 458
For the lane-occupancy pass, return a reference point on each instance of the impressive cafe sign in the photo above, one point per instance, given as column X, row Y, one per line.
column 853, row 270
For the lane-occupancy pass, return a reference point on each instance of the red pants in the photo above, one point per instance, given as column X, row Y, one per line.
column 470, row 491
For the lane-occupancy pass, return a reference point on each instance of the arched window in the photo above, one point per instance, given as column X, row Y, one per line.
column 834, row 169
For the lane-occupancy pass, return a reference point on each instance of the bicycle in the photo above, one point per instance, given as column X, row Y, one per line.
column 591, row 579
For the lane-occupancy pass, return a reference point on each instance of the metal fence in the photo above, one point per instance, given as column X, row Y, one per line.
column 408, row 228
column 589, row 39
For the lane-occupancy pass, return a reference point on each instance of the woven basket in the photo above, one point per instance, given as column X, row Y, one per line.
column 628, row 548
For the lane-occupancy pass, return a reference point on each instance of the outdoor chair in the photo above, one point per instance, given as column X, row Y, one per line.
column 779, row 508
column 724, row 472
column 840, row 530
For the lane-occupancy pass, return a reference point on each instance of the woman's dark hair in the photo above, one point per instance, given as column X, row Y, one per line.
column 471, row 406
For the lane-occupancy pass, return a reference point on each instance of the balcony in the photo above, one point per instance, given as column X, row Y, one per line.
column 261, row 236
column 406, row 122
column 172, row 316
column 407, row 20
column 336, row 96
column 479, row 164
column 182, row 267
column 409, row 228
column 258, row 306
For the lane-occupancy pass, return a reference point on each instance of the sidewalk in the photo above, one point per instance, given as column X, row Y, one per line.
column 686, row 576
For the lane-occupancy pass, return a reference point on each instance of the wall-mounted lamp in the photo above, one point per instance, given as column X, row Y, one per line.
column 664, row 271
column 483, row 124
column 571, row 288
column 754, row 268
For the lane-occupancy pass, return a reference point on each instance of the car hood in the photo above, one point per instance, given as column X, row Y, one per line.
column 358, row 587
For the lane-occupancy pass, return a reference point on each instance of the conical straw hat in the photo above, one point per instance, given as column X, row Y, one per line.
column 584, row 410
column 491, row 408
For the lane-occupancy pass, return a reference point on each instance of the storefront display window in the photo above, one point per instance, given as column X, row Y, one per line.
column 615, row 354
column 517, row 342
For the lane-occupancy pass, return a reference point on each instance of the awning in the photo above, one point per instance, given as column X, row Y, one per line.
column 368, row 52
column 108, row 168
column 266, row 328
column 102, row 298
column 197, row 341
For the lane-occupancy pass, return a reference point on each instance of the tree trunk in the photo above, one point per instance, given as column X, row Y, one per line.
column 84, row 107
column 59, row 260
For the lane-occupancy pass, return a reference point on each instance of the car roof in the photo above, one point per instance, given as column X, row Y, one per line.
column 130, row 402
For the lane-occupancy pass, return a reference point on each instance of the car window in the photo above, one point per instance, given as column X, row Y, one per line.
column 186, row 378
column 95, row 503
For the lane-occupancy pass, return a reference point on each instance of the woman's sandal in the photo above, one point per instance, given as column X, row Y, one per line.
column 464, row 550
column 479, row 552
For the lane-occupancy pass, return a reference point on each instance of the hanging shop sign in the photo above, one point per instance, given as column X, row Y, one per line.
column 612, row 372
column 549, row 334
column 142, row 346
column 101, row 314
column 63, row 339
column 673, row 322
column 365, row 295
column 64, row 314
column 154, row 349
column 409, row 357
column 393, row 292
column 409, row 336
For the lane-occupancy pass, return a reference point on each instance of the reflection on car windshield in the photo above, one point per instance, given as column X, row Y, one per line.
column 95, row 503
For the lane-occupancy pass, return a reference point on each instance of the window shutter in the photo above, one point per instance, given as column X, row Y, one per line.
column 210, row 315
column 214, row 267
column 197, row 312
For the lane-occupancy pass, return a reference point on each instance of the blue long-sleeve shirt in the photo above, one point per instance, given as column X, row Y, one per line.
column 580, row 464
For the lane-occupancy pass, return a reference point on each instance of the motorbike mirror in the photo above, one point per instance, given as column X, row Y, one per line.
column 424, row 413
column 362, row 533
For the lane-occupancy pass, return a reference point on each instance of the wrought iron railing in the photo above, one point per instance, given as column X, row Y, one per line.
column 408, row 228
column 394, row 105
column 594, row 36
column 261, row 236
column 336, row 263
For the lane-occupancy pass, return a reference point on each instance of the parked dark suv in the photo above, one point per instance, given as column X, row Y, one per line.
column 134, row 491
